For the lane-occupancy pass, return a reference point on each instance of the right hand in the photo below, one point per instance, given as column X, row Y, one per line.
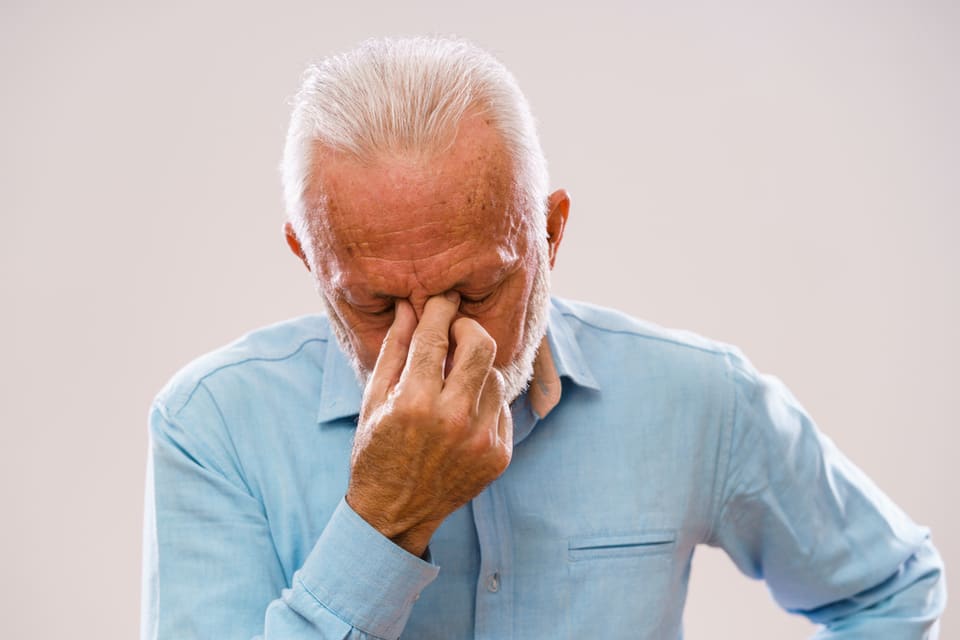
column 426, row 443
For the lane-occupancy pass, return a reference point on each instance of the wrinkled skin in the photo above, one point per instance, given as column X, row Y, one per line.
column 429, row 268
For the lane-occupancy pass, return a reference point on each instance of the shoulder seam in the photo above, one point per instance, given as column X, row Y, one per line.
column 719, row 351
column 718, row 507
column 199, row 381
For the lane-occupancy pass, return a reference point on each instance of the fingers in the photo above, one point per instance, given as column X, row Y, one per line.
column 491, row 399
column 430, row 342
column 472, row 360
column 505, row 429
column 495, row 412
column 393, row 352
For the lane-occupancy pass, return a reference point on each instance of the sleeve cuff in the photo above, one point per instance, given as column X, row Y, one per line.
column 361, row 577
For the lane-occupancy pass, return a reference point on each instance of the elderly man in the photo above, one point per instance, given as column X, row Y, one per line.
column 449, row 452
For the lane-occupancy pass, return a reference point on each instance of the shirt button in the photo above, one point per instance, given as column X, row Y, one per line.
column 493, row 582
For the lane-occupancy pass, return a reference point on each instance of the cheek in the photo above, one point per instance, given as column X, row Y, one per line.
column 368, row 338
column 505, row 323
column 365, row 334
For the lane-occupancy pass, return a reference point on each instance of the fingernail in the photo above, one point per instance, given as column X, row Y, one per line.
column 452, row 296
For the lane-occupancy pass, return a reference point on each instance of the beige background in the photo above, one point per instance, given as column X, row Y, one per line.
column 783, row 176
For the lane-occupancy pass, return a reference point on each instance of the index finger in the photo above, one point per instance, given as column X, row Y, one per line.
column 393, row 352
column 431, row 340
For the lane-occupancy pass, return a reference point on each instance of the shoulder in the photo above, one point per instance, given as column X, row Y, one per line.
column 634, row 354
column 637, row 356
column 595, row 325
column 261, row 357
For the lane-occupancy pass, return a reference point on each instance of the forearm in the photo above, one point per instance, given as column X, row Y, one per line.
column 355, row 583
column 211, row 569
column 906, row 606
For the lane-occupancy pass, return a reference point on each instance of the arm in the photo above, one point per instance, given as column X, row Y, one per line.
column 425, row 445
column 210, row 567
column 791, row 509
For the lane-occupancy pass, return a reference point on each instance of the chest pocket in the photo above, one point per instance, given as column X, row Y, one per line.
column 626, row 579
column 655, row 542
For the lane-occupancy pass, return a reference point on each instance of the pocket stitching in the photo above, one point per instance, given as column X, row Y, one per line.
column 646, row 543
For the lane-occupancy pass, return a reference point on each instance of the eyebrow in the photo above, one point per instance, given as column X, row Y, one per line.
column 499, row 274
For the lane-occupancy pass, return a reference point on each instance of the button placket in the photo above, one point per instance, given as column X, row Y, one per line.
column 493, row 617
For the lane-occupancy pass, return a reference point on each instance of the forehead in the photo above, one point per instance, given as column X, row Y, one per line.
column 455, row 212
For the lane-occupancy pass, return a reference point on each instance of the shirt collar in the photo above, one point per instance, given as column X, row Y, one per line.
column 567, row 356
column 341, row 393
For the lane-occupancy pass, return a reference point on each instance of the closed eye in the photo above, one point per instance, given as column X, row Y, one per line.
column 465, row 300
column 378, row 312
column 383, row 312
column 475, row 304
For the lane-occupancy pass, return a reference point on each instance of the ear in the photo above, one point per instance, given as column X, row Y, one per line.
column 294, row 244
column 558, row 208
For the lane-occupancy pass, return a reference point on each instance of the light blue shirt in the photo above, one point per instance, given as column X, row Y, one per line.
column 660, row 441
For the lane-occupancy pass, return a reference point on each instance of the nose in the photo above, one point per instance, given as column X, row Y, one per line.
column 419, row 302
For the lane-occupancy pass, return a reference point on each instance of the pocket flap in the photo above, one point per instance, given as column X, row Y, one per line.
column 621, row 545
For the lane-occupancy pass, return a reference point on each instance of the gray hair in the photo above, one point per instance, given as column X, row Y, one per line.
column 403, row 96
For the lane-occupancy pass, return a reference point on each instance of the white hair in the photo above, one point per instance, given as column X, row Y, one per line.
column 406, row 96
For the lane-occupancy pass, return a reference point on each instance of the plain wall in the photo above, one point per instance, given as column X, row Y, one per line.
column 782, row 176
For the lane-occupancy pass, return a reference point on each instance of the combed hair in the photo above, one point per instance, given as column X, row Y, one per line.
column 406, row 96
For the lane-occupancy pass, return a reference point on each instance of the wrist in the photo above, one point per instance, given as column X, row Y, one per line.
column 412, row 538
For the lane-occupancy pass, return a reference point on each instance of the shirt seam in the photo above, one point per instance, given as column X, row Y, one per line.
column 237, row 363
column 725, row 453
column 243, row 474
column 226, row 431
column 718, row 351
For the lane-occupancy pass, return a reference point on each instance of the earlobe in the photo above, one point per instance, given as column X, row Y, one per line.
column 558, row 208
column 294, row 243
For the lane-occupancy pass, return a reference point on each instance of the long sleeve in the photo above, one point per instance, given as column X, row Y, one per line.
column 211, row 569
column 792, row 510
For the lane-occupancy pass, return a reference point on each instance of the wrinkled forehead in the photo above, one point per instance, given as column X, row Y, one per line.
column 409, row 207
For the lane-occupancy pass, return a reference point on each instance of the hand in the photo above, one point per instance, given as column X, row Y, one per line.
column 426, row 443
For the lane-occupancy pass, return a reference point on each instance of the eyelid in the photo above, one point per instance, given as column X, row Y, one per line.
column 478, row 299
column 376, row 311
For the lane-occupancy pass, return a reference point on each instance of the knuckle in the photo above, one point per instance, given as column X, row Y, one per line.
column 430, row 338
column 473, row 331
column 479, row 361
column 413, row 406
column 497, row 385
column 423, row 362
column 459, row 411
column 502, row 458
column 457, row 417
column 478, row 447
column 496, row 459
column 467, row 325
column 486, row 345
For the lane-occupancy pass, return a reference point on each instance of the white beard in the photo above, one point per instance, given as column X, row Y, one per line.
column 517, row 373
